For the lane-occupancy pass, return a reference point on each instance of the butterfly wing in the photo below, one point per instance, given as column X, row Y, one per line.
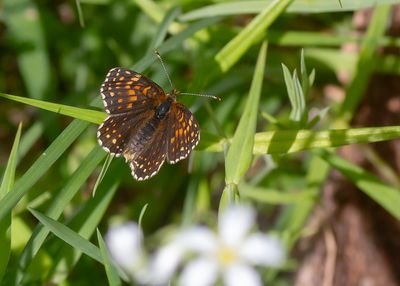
column 123, row 90
column 149, row 161
column 114, row 133
column 129, row 98
column 184, row 133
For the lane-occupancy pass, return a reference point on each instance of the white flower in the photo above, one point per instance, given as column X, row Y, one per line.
column 232, row 253
column 125, row 245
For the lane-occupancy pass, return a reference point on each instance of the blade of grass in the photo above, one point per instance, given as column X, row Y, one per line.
column 366, row 63
column 89, row 115
column 41, row 165
column 239, row 155
column 5, row 187
column 270, row 196
column 111, row 271
column 173, row 42
column 84, row 223
column 253, row 32
column 299, row 6
column 289, row 141
column 29, row 138
column 59, row 202
column 163, row 30
column 103, row 172
column 69, row 236
column 157, row 14
column 386, row 196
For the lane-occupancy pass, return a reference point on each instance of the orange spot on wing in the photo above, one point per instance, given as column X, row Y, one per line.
column 119, row 100
column 180, row 131
column 131, row 92
column 133, row 98
column 129, row 105
column 121, row 78
column 146, row 90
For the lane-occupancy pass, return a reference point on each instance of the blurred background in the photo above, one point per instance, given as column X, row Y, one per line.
column 60, row 51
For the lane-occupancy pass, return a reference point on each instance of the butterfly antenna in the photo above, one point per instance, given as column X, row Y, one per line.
column 165, row 70
column 202, row 95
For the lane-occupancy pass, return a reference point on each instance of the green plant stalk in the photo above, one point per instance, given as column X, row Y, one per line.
column 239, row 155
column 6, row 186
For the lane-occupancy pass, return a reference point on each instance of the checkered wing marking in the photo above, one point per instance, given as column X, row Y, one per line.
column 114, row 133
column 148, row 162
column 184, row 133
column 124, row 90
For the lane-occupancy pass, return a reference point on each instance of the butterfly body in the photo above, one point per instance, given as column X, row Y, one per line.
column 145, row 125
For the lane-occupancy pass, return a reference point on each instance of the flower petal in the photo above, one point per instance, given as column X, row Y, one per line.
column 125, row 244
column 199, row 272
column 164, row 264
column 261, row 249
column 198, row 239
column 240, row 274
column 234, row 223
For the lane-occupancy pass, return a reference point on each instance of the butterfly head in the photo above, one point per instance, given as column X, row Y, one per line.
column 174, row 93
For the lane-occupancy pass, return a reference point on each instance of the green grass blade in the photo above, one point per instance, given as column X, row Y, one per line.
column 103, row 172
column 294, row 217
column 239, row 155
column 59, row 203
column 8, row 177
column 89, row 115
column 174, row 42
column 235, row 49
column 386, row 196
column 289, row 141
column 30, row 136
column 69, row 236
column 111, row 271
column 366, row 62
column 41, row 165
column 80, row 13
column 270, row 196
column 5, row 187
column 141, row 215
column 299, row 6
column 163, row 29
column 85, row 223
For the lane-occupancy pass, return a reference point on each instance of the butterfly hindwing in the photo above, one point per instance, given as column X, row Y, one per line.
column 148, row 162
column 116, row 130
column 184, row 133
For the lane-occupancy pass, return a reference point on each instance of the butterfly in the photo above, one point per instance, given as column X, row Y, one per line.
column 145, row 125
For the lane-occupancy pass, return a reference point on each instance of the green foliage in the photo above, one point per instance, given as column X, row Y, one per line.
column 57, row 179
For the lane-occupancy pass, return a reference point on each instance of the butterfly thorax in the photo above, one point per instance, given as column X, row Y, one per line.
column 163, row 108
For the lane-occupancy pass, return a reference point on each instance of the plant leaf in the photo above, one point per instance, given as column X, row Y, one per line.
column 240, row 154
column 235, row 49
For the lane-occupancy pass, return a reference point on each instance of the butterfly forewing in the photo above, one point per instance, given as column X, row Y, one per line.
column 124, row 90
column 184, row 133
